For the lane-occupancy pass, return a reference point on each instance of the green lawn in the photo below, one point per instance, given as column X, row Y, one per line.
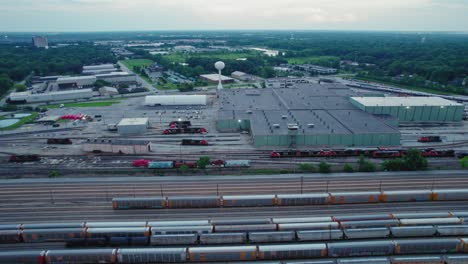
column 312, row 59
column 22, row 121
column 86, row 104
column 179, row 57
column 137, row 62
column 408, row 87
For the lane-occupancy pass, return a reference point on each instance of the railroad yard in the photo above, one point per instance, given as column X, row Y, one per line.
column 123, row 184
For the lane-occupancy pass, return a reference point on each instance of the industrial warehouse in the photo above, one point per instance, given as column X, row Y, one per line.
column 306, row 115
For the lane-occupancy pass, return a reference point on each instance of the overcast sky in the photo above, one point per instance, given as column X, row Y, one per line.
column 123, row 15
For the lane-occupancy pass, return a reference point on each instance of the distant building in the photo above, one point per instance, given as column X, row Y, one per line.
column 118, row 77
column 284, row 82
column 133, row 126
column 214, row 78
column 117, row 146
column 157, row 100
column 76, row 82
column 242, row 76
column 28, row 97
column 99, row 69
column 107, row 91
column 40, row 42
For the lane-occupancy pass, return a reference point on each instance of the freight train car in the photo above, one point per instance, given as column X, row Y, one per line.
column 24, row 158
column 59, row 141
column 189, row 130
column 180, row 124
column 194, row 142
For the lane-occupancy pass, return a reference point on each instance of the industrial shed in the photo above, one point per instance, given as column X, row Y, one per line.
column 117, row 146
column 133, row 126
column 156, row 100
column 305, row 115
column 409, row 109
column 28, row 97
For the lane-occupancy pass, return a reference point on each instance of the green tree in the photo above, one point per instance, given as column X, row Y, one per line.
column 464, row 162
column 307, row 167
column 414, row 160
column 394, row 165
column 19, row 87
column 184, row 168
column 203, row 162
column 348, row 168
column 324, row 167
column 365, row 165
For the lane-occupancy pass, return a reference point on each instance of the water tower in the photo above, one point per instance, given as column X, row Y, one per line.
column 219, row 65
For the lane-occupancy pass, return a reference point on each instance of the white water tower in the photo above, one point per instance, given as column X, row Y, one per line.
column 219, row 65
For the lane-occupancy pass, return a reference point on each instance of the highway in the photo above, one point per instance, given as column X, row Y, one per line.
column 89, row 199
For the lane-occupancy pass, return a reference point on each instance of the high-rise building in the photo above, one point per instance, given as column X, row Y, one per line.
column 40, row 42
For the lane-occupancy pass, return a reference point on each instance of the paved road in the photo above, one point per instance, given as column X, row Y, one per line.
column 143, row 82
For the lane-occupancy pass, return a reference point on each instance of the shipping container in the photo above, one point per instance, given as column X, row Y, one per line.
column 431, row 221
column 298, row 251
column 232, row 253
column 9, row 236
column 427, row 246
column 272, row 237
column 413, row 231
column 320, row 235
column 139, row 203
column 51, row 235
column 364, row 248
column 246, row 228
column 406, row 196
column 368, row 233
column 22, row 257
column 354, row 197
column 302, row 220
column 193, row 202
column 180, row 239
column 369, row 260
column 303, row 199
column 308, row 226
column 251, row 221
column 248, row 200
column 81, row 256
column 173, row 230
column 450, row 195
column 418, row 260
column 118, row 232
column 223, row 238
column 151, row 255
column 449, row 230
column 369, row 223
column 194, row 142
column 179, row 223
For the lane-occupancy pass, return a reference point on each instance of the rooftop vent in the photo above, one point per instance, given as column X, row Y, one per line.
column 311, row 125
column 284, row 117
column 293, row 127
column 249, row 112
column 276, row 125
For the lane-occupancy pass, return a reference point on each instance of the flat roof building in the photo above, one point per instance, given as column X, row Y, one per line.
column 76, row 82
column 28, row 97
column 117, row 146
column 412, row 109
column 133, row 126
column 214, row 78
column 40, row 42
column 157, row 100
column 99, row 69
column 304, row 115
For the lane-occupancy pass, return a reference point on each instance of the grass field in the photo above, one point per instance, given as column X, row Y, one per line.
column 182, row 57
column 86, row 104
column 137, row 62
column 22, row 121
column 312, row 60
column 408, row 87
